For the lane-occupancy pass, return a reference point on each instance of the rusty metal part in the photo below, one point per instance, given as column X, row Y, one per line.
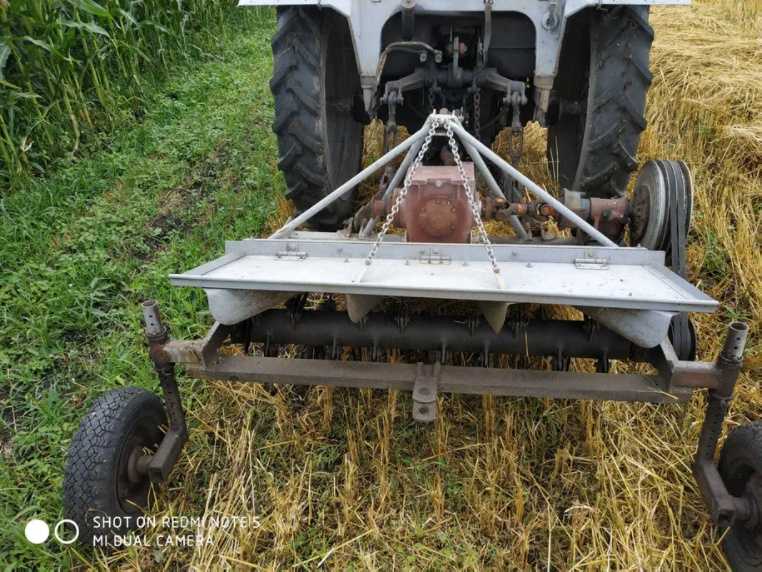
column 723, row 507
column 452, row 379
column 491, row 206
column 436, row 208
column 532, row 208
column 425, row 388
column 163, row 460
column 610, row 216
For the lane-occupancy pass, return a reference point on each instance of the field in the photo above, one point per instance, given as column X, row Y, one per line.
column 343, row 478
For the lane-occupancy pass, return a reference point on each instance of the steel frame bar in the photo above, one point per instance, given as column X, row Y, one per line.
column 675, row 379
column 533, row 187
column 452, row 379
column 494, row 187
column 399, row 175
column 474, row 147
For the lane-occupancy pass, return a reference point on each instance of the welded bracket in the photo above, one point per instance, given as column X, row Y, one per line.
column 425, row 388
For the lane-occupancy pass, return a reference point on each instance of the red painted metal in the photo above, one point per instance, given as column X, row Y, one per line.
column 436, row 208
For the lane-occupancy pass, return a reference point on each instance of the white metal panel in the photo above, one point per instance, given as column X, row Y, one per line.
column 629, row 278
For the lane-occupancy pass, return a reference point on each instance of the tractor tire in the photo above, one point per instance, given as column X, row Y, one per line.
column 600, row 95
column 98, row 480
column 741, row 470
column 317, row 92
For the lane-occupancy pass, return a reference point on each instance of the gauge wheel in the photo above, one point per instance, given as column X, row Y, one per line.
column 741, row 470
column 105, row 473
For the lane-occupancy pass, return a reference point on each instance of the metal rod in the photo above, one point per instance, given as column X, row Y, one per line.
column 494, row 187
column 401, row 171
column 368, row 228
column 161, row 462
column 406, row 162
column 533, row 187
column 453, row 379
column 350, row 184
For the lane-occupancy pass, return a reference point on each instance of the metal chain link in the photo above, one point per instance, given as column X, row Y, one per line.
column 475, row 207
column 403, row 192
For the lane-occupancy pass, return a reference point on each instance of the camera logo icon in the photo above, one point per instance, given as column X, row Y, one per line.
column 37, row 531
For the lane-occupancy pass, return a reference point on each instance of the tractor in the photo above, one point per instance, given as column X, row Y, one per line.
column 348, row 280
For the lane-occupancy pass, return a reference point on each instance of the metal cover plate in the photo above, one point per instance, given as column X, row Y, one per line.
column 633, row 278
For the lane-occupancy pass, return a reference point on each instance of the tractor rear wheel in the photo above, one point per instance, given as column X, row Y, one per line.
column 316, row 88
column 600, row 97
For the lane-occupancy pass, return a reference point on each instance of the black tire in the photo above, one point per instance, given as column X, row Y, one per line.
column 316, row 88
column 741, row 470
column 96, row 481
column 600, row 94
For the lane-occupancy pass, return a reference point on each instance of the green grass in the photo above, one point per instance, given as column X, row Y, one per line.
column 81, row 249
column 71, row 69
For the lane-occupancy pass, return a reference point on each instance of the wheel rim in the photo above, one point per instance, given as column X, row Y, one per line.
column 143, row 438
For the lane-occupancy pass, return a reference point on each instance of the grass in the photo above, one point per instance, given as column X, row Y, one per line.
column 344, row 478
column 70, row 69
column 82, row 248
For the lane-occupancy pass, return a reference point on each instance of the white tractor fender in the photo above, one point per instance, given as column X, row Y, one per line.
column 342, row 6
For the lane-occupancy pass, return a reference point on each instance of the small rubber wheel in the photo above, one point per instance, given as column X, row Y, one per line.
column 102, row 478
column 741, row 471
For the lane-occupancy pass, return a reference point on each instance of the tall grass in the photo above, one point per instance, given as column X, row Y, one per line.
column 68, row 67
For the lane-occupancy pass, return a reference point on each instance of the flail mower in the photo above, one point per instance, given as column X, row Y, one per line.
column 336, row 281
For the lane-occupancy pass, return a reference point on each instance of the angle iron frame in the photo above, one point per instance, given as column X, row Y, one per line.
column 675, row 380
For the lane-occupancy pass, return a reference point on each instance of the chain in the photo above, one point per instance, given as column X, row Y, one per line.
column 475, row 208
column 478, row 113
column 403, row 192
